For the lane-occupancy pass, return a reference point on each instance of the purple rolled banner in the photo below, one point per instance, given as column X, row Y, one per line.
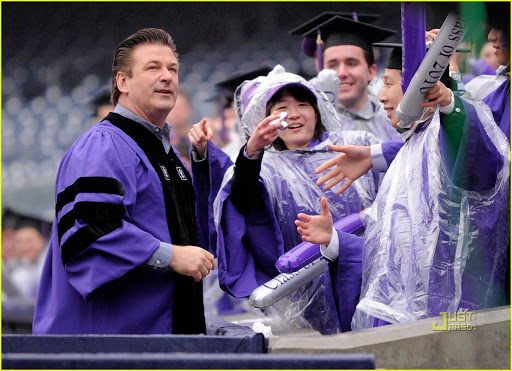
column 413, row 40
column 306, row 252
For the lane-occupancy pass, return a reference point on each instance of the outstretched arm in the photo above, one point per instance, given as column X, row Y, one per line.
column 316, row 229
column 352, row 163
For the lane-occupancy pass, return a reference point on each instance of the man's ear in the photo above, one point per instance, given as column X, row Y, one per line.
column 372, row 71
column 121, row 82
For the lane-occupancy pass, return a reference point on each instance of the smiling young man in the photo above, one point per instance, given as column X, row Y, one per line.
column 347, row 49
column 123, row 257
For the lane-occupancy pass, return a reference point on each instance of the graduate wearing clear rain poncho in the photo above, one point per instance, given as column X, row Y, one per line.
column 260, row 197
column 436, row 237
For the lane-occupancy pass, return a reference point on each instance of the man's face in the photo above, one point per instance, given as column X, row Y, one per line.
column 152, row 88
column 502, row 53
column 391, row 94
column 350, row 64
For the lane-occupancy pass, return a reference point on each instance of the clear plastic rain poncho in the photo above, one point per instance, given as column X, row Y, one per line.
column 431, row 246
column 483, row 85
column 289, row 179
column 378, row 123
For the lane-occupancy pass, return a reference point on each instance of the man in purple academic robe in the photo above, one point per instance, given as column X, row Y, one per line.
column 123, row 258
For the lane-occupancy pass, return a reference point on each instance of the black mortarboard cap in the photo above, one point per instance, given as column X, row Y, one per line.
column 16, row 220
column 308, row 44
column 394, row 60
column 343, row 31
column 498, row 15
column 101, row 99
column 325, row 16
column 227, row 87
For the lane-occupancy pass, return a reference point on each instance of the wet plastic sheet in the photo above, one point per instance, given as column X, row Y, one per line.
column 423, row 232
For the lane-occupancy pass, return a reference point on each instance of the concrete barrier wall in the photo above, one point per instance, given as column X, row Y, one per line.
column 416, row 345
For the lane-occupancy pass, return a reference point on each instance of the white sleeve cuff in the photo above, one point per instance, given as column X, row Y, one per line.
column 332, row 251
column 378, row 161
column 449, row 108
column 195, row 155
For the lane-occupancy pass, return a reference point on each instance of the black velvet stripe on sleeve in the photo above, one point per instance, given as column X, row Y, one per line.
column 90, row 212
column 84, row 237
column 88, row 185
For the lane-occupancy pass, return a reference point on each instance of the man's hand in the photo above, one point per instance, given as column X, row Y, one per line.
column 354, row 162
column 438, row 94
column 192, row 261
column 199, row 135
column 263, row 135
column 316, row 229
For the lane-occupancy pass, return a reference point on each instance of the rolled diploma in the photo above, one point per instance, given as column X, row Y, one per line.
column 431, row 69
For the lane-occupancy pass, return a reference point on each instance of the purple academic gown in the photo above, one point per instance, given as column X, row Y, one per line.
column 110, row 219
column 248, row 245
column 207, row 178
column 499, row 103
column 474, row 167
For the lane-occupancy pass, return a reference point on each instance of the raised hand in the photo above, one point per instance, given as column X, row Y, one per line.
column 199, row 135
column 352, row 163
column 263, row 135
column 316, row 229
column 438, row 94
column 192, row 261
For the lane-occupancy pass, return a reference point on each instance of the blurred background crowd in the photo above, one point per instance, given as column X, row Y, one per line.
column 56, row 64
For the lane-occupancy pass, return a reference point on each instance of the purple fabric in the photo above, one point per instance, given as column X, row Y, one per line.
column 306, row 252
column 476, row 163
column 308, row 47
column 207, row 179
column 475, row 167
column 499, row 103
column 249, row 244
column 98, row 289
column 343, row 279
column 391, row 148
column 477, row 255
column 241, row 269
column 413, row 40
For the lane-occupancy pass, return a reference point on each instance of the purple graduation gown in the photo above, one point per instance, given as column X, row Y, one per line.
column 499, row 103
column 95, row 280
column 207, row 178
column 436, row 237
column 249, row 245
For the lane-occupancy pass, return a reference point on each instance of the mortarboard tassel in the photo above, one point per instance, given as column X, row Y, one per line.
column 319, row 50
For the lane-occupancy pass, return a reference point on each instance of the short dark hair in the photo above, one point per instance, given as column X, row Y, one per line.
column 122, row 58
column 369, row 57
column 302, row 94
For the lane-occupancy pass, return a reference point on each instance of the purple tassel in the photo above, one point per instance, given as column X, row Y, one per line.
column 319, row 51
column 413, row 40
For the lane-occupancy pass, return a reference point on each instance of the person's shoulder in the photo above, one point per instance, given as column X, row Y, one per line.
column 103, row 138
